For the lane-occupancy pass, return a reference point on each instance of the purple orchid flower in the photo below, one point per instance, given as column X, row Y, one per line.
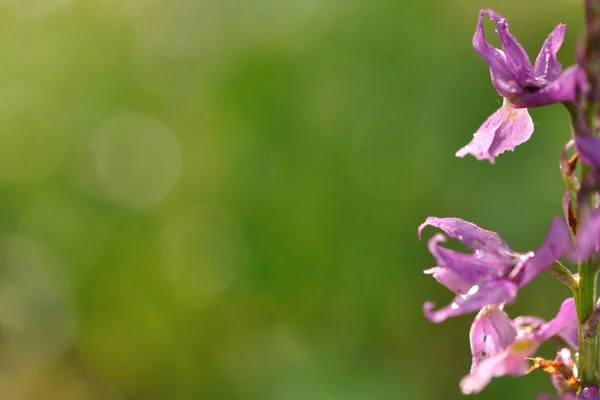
column 531, row 333
column 521, row 84
column 493, row 273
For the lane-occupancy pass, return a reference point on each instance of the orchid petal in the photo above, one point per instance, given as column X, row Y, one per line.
column 494, row 292
column 588, row 148
column 450, row 279
column 564, row 324
column 502, row 131
column 492, row 331
column 560, row 90
column 516, row 57
column 470, row 267
column 546, row 65
column 503, row 78
column 557, row 243
column 471, row 235
column 512, row 361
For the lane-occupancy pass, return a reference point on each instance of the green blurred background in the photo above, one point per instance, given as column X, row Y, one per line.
column 218, row 199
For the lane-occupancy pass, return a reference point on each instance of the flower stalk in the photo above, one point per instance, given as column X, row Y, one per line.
column 588, row 339
column 587, row 297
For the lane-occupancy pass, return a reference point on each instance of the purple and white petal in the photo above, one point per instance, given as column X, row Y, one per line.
column 547, row 67
column 494, row 292
column 505, row 129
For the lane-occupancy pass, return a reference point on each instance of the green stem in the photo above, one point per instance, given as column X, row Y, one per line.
column 561, row 273
column 588, row 345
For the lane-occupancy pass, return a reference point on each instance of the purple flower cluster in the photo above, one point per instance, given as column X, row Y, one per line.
column 489, row 276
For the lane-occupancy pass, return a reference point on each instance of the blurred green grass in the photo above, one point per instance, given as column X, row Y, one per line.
column 219, row 199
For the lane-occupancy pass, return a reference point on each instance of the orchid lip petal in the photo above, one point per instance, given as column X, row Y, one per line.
column 505, row 129
column 492, row 331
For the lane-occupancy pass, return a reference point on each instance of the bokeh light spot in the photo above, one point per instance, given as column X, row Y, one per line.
column 138, row 158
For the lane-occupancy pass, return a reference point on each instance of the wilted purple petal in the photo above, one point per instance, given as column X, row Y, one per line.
column 566, row 203
column 492, row 331
column 516, row 57
column 546, row 65
column 503, row 130
column 557, row 243
column 503, row 77
column 494, row 292
column 569, row 213
column 588, row 148
column 566, row 167
column 562, row 386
